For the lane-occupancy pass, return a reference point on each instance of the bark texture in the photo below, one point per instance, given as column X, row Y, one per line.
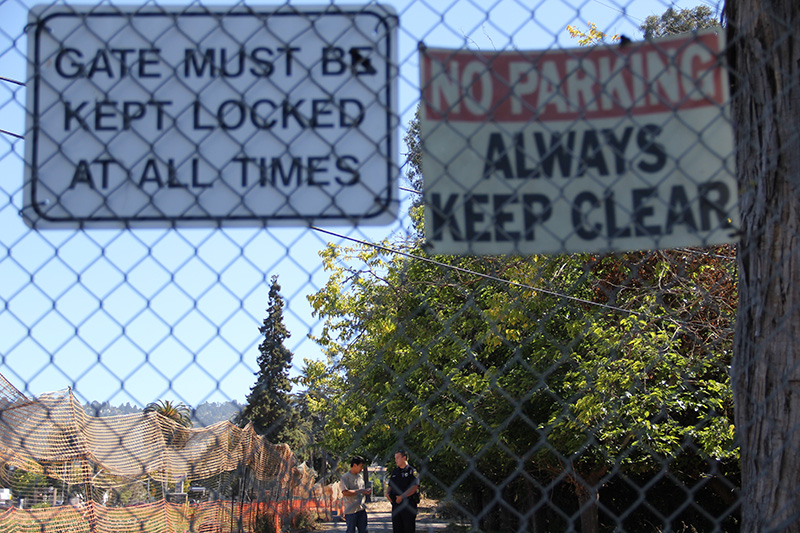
column 764, row 42
column 588, row 498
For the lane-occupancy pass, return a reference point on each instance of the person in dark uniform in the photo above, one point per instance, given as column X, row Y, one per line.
column 403, row 491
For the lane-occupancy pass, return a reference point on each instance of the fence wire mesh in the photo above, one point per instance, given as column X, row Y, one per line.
column 535, row 389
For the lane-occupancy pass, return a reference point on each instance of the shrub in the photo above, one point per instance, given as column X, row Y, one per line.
column 266, row 523
column 304, row 521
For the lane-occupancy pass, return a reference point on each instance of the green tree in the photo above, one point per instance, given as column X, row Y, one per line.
column 511, row 376
column 176, row 411
column 322, row 390
column 674, row 21
column 26, row 485
column 519, row 387
column 132, row 493
column 648, row 390
column 269, row 404
column 681, row 379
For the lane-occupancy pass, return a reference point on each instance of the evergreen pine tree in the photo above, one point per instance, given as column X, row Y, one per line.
column 269, row 404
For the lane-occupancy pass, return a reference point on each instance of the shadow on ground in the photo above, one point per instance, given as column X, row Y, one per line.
column 379, row 515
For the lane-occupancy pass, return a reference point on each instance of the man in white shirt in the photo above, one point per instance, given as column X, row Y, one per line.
column 353, row 491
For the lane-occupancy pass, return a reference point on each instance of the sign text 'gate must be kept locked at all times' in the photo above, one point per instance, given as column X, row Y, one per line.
column 155, row 116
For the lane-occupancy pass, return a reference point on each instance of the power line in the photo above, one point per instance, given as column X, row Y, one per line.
column 12, row 134
column 9, row 80
column 618, row 10
column 472, row 272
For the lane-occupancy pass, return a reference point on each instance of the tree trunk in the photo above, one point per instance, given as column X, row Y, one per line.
column 477, row 505
column 534, row 507
column 587, row 488
column 588, row 497
column 365, row 474
column 765, row 71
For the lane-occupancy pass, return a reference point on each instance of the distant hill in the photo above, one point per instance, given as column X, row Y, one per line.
column 206, row 414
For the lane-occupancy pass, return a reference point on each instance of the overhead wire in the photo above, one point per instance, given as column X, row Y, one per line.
column 474, row 273
column 508, row 282
column 618, row 10
column 21, row 84
column 9, row 80
column 18, row 136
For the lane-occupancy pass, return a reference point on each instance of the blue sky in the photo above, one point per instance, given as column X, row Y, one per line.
column 135, row 316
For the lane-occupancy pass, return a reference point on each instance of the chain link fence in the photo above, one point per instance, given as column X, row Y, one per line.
column 548, row 329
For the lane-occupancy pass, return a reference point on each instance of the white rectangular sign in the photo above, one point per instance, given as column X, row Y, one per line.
column 147, row 115
column 583, row 150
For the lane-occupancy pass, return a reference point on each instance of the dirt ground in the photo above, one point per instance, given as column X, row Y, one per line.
column 379, row 517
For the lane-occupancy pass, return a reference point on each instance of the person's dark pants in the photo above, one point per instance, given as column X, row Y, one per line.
column 404, row 518
column 356, row 521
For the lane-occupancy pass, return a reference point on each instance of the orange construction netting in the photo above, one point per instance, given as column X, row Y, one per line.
column 52, row 436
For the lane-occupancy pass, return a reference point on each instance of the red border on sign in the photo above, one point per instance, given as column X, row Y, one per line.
column 584, row 83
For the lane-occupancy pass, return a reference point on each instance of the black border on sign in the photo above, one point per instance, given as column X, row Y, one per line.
column 385, row 203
